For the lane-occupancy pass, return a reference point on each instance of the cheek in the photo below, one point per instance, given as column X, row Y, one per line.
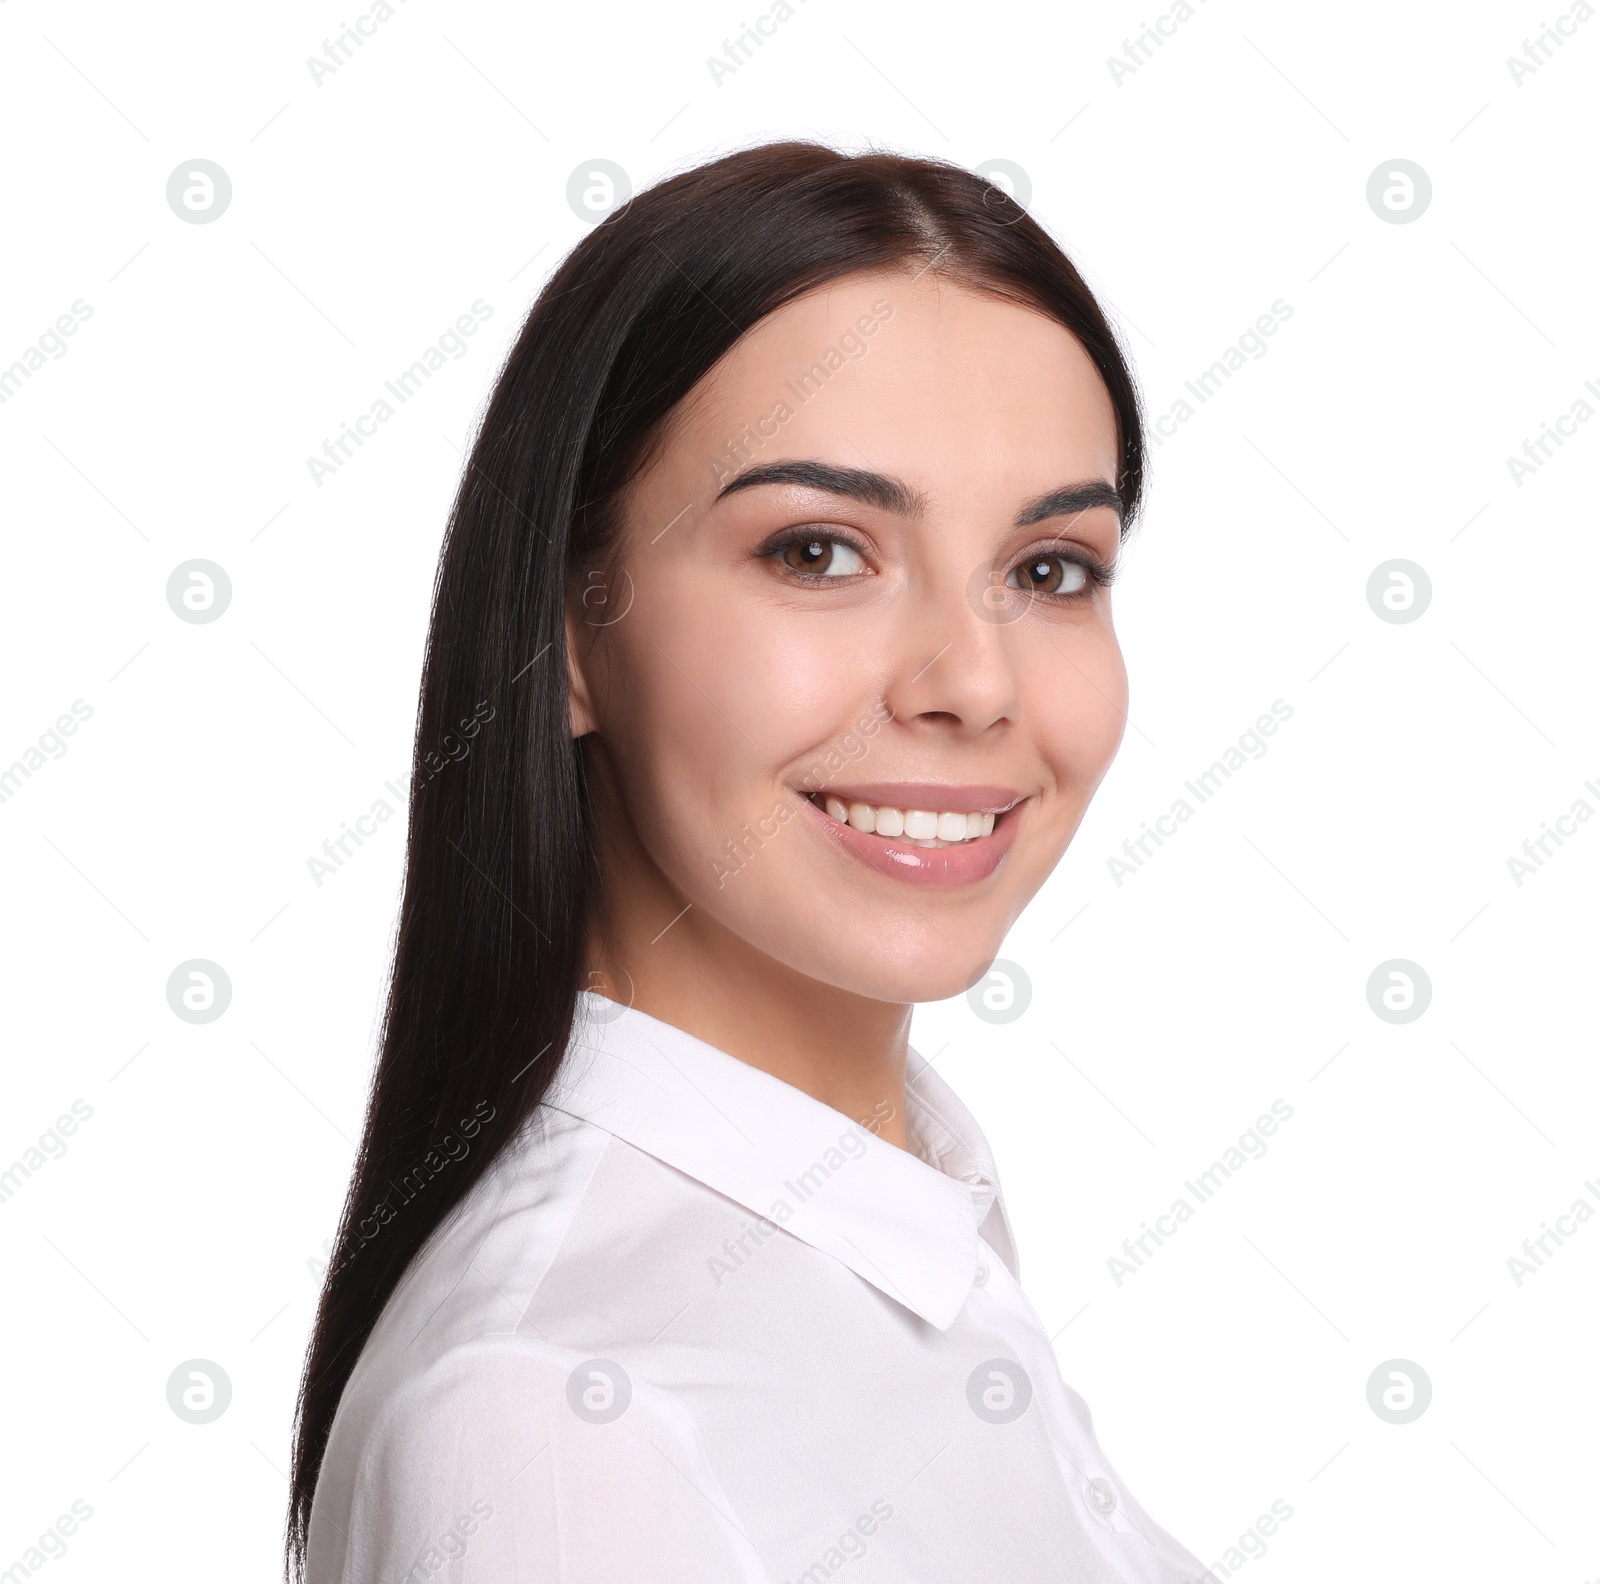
column 1077, row 695
column 707, row 707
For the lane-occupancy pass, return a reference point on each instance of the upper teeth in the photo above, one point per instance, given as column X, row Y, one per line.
column 920, row 827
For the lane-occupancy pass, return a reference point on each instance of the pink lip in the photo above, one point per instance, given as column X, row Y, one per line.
column 928, row 795
column 965, row 864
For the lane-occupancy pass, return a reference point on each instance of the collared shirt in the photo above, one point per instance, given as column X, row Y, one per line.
column 695, row 1326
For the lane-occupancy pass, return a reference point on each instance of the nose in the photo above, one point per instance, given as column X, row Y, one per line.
column 956, row 663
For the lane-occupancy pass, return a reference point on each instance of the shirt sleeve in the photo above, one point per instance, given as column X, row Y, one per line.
column 508, row 1460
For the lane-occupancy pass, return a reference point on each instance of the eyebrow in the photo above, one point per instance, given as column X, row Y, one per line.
column 1069, row 501
column 890, row 494
column 873, row 489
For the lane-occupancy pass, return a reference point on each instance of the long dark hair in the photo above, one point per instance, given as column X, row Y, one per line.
column 501, row 877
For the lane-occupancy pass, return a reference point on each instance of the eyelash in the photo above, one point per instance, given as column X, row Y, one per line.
column 774, row 548
column 1100, row 575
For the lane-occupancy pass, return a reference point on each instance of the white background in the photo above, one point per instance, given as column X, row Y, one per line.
column 186, row 1216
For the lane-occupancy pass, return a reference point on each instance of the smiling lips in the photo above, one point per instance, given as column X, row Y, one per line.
column 930, row 835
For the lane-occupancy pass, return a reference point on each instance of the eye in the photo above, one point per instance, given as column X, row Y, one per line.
column 1050, row 574
column 817, row 555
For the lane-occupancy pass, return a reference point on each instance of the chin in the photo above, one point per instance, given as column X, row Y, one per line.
column 926, row 970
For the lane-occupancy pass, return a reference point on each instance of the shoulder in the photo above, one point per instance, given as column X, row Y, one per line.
column 510, row 1457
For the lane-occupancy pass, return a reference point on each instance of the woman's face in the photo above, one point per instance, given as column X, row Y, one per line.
column 862, row 573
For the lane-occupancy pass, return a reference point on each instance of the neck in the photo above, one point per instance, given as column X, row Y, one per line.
column 846, row 1050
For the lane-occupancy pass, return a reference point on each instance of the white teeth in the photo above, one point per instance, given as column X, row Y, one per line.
column 919, row 827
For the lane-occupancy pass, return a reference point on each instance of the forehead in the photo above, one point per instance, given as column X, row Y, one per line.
column 935, row 381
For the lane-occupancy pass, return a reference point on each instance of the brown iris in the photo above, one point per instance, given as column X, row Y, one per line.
column 809, row 555
column 1050, row 574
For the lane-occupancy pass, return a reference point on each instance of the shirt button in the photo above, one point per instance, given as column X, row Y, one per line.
column 1101, row 1495
column 982, row 1274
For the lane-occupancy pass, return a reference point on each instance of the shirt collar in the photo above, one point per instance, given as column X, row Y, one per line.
column 906, row 1222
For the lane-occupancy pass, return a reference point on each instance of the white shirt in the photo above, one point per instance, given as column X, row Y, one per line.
column 695, row 1326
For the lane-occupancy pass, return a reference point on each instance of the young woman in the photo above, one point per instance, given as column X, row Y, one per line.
column 771, row 671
